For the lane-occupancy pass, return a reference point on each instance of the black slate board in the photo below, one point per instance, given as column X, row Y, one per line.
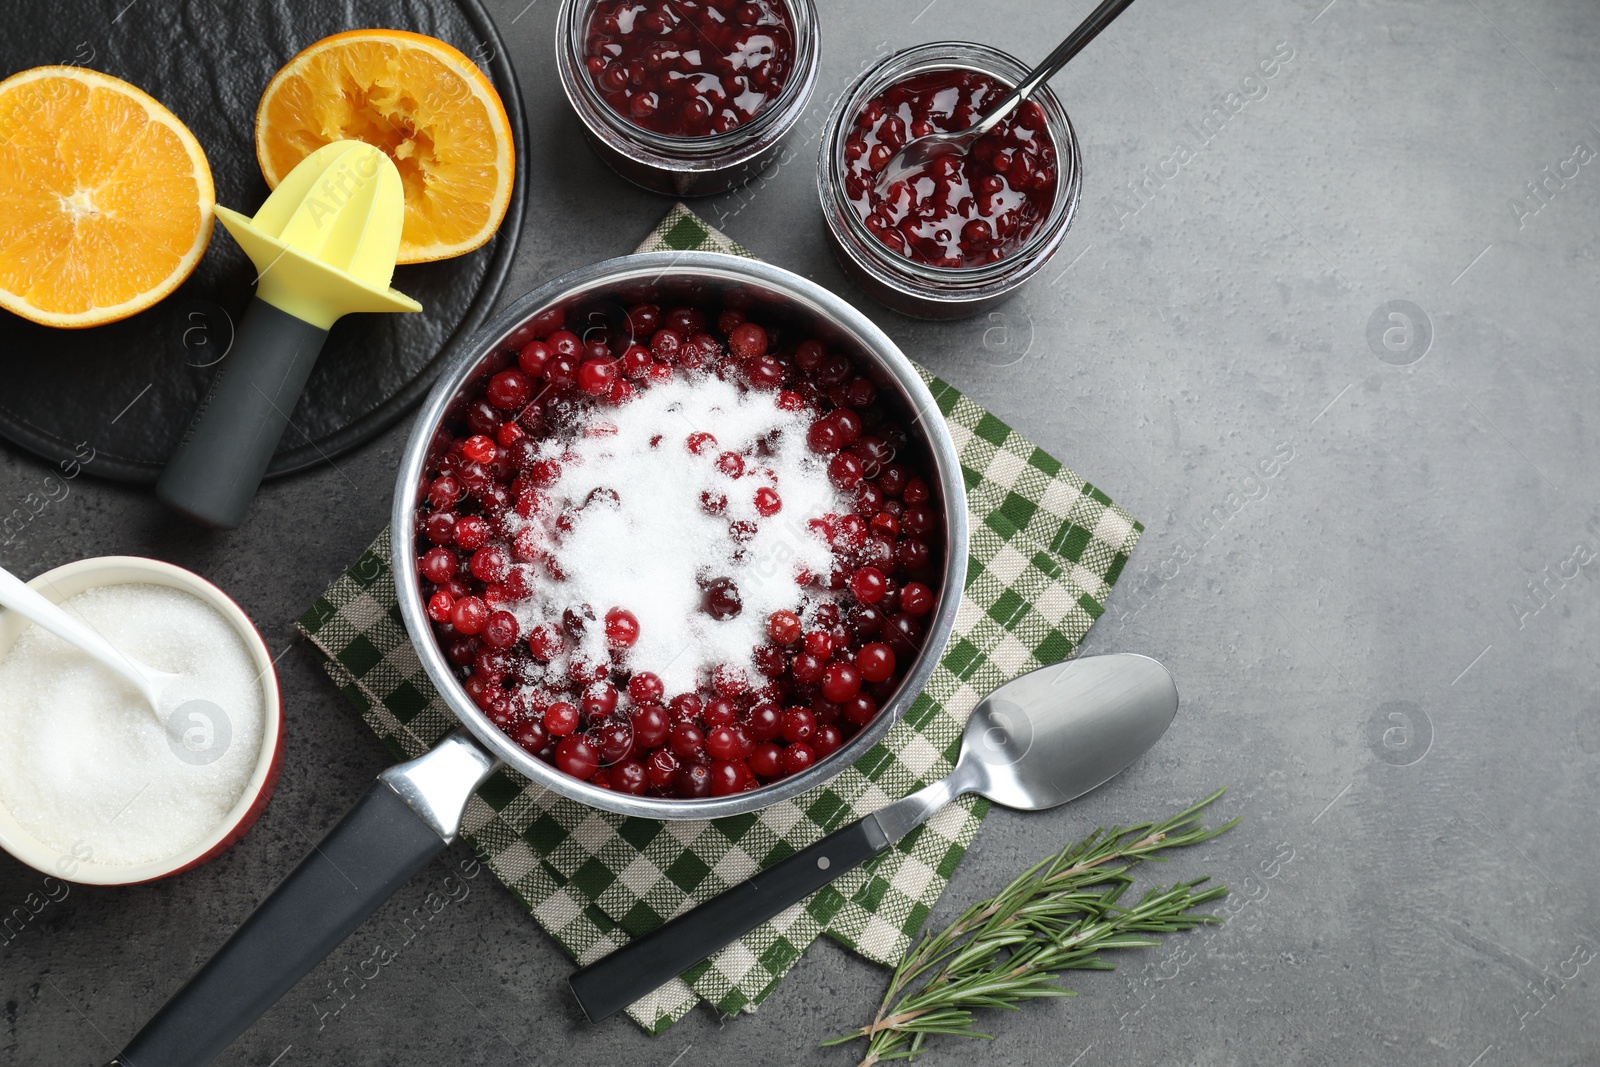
column 126, row 390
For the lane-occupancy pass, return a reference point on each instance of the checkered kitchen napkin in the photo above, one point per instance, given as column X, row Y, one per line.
column 1046, row 548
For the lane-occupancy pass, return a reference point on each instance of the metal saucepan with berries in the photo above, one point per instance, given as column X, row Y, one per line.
column 683, row 536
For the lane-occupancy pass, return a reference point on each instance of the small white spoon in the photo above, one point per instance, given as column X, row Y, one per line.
column 41, row 611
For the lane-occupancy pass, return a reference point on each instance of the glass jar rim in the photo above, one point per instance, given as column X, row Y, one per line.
column 572, row 26
column 956, row 55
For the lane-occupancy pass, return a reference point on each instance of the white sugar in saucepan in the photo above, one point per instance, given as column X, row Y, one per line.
column 646, row 550
column 84, row 761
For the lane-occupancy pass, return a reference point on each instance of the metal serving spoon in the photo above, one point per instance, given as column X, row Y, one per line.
column 920, row 152
column 38, row 609
column 1038, row 741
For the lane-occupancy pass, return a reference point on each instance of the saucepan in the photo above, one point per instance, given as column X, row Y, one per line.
column 414, row 810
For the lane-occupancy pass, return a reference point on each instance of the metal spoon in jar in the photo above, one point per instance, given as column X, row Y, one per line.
column 918, row 153
column 1037, row 742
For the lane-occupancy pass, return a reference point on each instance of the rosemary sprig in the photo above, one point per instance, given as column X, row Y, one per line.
column 1059, row 915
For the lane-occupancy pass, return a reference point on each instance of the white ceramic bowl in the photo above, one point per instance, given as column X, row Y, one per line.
column 84, row 574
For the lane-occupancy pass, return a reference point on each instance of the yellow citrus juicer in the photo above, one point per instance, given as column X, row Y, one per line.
column 323, row 245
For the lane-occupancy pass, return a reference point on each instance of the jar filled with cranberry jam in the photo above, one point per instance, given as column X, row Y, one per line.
column 964, row 232
column 688, row 97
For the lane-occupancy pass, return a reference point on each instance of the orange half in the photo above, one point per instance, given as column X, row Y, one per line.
column 105, row 198
column 425, row 104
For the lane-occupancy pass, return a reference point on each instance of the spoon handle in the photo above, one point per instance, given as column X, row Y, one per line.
column 42, row 611
column 1087, row 30
column 646, row 963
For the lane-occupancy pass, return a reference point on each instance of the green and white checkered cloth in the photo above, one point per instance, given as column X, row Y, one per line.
column 1046, row 548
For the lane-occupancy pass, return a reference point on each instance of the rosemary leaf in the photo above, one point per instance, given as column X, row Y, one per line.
column 1058, row 915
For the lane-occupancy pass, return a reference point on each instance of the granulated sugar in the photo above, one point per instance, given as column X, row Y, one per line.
column 643, row 540
column 85, row 761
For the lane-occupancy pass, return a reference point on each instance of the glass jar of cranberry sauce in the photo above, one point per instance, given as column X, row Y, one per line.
column 964, row 233
column 687, row 97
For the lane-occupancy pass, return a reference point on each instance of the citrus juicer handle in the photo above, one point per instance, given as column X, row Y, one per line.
column 324, row 245
column 407, row 817
column 218, row 466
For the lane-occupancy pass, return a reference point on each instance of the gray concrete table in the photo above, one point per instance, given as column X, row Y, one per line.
column 1330, row 335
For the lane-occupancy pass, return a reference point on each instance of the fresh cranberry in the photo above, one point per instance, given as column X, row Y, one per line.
column 560, row 719
column 693, row 781
column 480, row 449
column 729, row 681
column 845, row 471
column 650, row 726
column 533, row 357
column 728, row 777
column 530, row 735
column 599, row 700
column 489, row 564
column 826, row 741
column 766, row 760
column 868, row 584
column 916, row 599
column 500, row 629
column 597, row 376
column 440, row 606
column 438, row 565
column 581, row 672
column 819, row 643
column 469, row 615
column 903, row 633
column 666, row 345
column 688, row 741
column 613, row 741
column 576, row 756
column 685, row 707
column 629, row 777
column 824, row 436
column 840, row 682
column 721, row 600
column 440, row 527
column 509, row 390
column 725, row 743
column 662, row 768
column 747, row 340
column 797, row 757
column 809, row 354
column 643, row 320
column 807, row 668
column 860, row 709
column 444, row 491
column 914, row 556
column 622, row 628
column 784, row 627
column 798, row 725
column 892, row 480
column 875, row 661
column 763, row 722
column 731, row 464
column 767, row 501
column 645, row 688
column 544, row 642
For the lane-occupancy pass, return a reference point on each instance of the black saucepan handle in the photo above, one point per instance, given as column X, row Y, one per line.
column 373, row 851
column 608, row 985
column 218, row 466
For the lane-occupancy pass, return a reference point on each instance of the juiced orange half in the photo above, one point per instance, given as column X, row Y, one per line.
column 425, row 104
